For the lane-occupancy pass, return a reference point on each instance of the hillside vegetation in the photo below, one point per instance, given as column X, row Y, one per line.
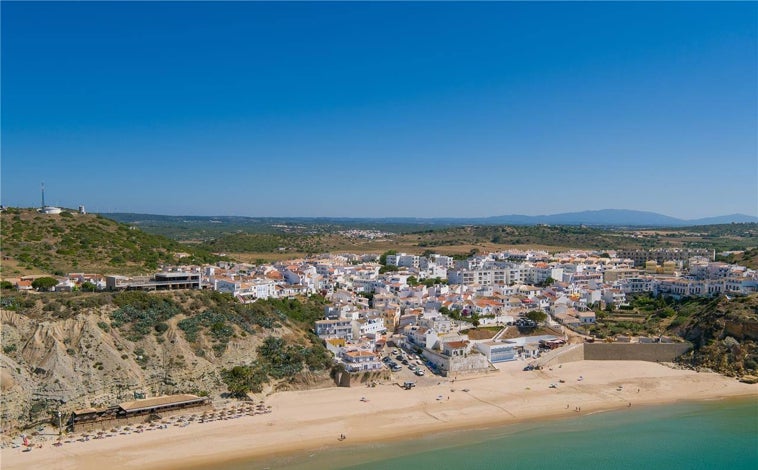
column 78, row 350
column 462, row 240
column 724, row 331
column 747, row 258
column 725, row 335
column 71, row 242
column 280, row 238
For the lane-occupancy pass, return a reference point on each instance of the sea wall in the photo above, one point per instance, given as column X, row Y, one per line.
column 653, row 352
column 570, row 353
column 472, row 363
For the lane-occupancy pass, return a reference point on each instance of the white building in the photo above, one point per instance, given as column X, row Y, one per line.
column 497, row 351
column 334, row 329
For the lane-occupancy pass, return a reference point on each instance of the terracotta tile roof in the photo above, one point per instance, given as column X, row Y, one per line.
column 360, row 354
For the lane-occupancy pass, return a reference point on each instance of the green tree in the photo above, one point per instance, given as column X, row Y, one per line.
column 536, row 316
column 412, row 281
column 455, row 314
column 44, row 283
column 388, row 268
column 369, row 296
column 383, row 257
column 88, row 286
column 6, row 285
column 242, row 379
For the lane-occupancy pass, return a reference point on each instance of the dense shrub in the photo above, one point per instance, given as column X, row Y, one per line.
column 141, row 312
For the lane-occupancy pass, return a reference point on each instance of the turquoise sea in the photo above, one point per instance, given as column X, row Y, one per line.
column 712, row 435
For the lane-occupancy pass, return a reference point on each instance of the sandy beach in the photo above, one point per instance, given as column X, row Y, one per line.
column 315, row 419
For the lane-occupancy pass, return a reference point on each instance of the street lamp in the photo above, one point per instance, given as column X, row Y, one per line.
column 60, row 427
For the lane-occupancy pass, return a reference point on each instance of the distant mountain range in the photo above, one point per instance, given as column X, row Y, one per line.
column 605, row 217
column 618, row 217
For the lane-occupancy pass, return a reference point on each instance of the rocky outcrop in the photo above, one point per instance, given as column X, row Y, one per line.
column 725, row 336
column 81, row 361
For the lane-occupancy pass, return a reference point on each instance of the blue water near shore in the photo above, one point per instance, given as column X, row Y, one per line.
column 713, row 435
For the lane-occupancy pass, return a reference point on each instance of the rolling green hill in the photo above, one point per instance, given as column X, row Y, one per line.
column 71, row 242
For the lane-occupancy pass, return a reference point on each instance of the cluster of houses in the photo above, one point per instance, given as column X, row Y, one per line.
column 369, row 309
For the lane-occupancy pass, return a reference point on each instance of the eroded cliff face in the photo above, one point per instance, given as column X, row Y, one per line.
column 82, row 361
column 741, row 330
column 725, row 335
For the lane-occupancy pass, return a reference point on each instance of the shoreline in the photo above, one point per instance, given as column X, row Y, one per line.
column 312, row 420
column 377, row 451
column 298, row 456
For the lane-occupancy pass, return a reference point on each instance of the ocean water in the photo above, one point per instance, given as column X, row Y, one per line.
column 712, row 435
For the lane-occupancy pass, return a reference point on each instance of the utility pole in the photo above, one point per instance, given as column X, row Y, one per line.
column 60, row 427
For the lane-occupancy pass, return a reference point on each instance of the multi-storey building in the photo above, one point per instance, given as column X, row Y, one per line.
column 339, row 328
column 640, row 257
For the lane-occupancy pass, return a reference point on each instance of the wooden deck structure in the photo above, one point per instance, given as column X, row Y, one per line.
column 134, row 411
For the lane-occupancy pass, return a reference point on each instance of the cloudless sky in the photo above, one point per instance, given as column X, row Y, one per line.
column 381, row 109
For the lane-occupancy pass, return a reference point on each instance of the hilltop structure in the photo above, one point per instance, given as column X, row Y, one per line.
column 44, row 208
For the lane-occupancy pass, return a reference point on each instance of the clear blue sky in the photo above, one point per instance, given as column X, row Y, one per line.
column 381, row 109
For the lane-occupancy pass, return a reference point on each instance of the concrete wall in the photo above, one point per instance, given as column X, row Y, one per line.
column 569, row 353
column 654, row 352
column 472, row 363
column 343, row 378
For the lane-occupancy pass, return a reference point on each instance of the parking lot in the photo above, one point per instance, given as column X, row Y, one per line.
column 408, row 367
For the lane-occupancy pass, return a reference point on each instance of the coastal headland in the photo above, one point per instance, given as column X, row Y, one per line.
column 322, row 418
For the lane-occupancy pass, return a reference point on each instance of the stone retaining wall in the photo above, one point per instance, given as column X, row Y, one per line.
column 569, row 353
column 653, row 352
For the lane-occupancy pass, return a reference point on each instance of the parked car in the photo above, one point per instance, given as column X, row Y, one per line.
column 419, row 372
